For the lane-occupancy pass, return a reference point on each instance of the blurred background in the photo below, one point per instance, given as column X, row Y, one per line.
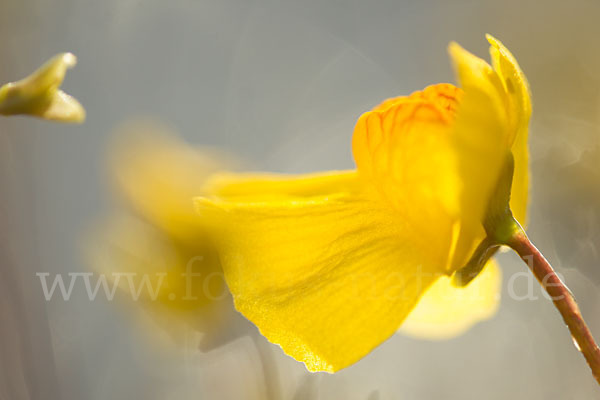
column 281, row 84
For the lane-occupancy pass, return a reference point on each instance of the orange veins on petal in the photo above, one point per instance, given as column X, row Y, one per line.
column 377, row 131
column 443, row 97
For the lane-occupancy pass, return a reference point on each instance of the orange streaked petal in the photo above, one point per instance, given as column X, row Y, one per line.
column 403, row 148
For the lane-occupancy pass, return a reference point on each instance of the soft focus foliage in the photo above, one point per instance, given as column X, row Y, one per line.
column 39, row 94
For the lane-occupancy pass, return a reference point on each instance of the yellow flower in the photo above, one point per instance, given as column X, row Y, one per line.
column 157, row 237
column 329, row 265
column 39, row 93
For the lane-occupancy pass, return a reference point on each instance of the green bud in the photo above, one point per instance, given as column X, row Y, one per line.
column 39, row 94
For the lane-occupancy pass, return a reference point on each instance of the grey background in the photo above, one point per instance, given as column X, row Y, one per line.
column 281, row 84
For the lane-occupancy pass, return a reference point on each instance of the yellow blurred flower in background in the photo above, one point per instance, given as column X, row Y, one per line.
column 39, row 94
column 156, row 236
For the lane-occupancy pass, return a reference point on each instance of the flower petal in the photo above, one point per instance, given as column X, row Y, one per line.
column 404, row 148
column 327, row 277
column 520, row 185
column 405, row 153
column 481, row 142
column 159, row 174
column 515, row 84
column 126, row 245
column 178, row 284
column 519, row 101
column 266, row 186
column 446, row 311
column 156, row 250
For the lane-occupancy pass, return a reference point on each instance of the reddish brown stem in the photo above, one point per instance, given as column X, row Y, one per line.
column 561, row 296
